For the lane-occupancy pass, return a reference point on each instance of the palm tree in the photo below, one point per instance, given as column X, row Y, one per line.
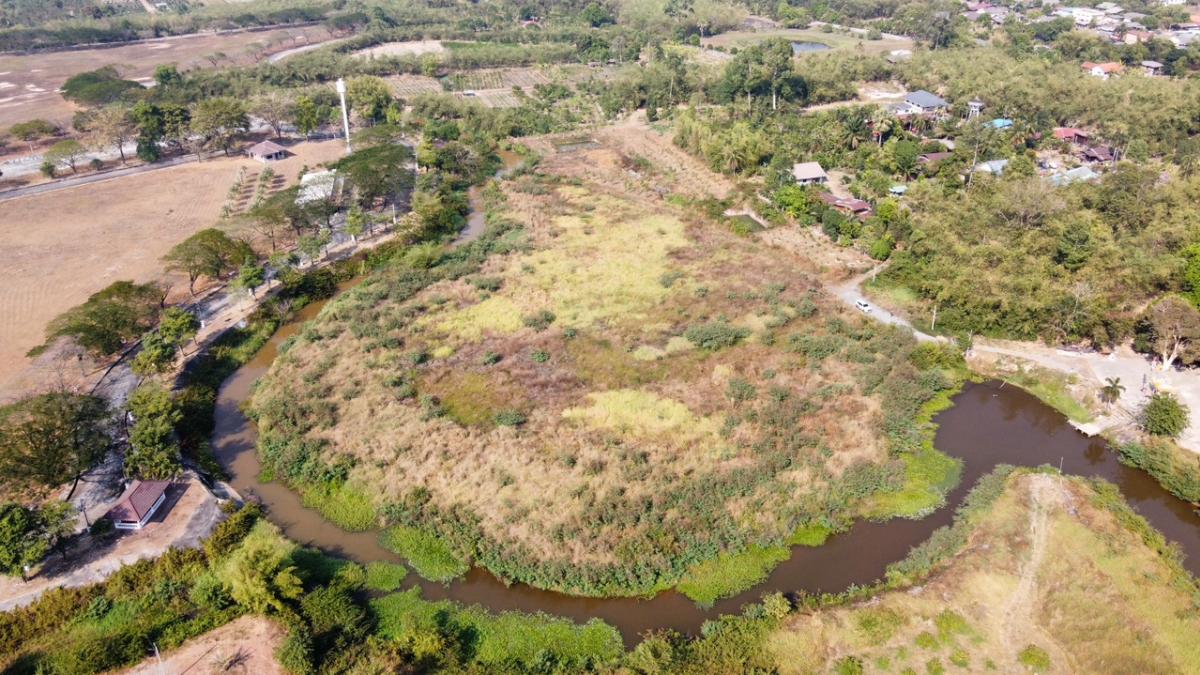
column 1112, row 390
column 882, row 124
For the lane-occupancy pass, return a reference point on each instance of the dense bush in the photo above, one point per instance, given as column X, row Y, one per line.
column 715, row 335
column 1178, row 470
column 1164, row 415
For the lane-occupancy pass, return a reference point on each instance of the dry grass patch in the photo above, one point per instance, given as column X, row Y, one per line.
column 1049, row 573
column 582, row 434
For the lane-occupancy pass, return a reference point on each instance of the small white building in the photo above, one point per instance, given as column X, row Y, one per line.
column 809, row 173
column 139, row 504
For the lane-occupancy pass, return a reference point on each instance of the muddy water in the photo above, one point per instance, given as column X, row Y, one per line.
column 989, row 424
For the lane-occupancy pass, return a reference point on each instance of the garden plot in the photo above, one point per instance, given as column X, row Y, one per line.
column 407, row 86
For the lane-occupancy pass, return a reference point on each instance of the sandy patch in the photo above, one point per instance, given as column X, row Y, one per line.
column 245, row 645
column 410, row 48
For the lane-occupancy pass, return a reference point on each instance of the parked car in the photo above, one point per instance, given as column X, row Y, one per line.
column 862, row 306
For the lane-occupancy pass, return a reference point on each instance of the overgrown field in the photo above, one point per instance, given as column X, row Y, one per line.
column 1058, row 576
column 604, row 392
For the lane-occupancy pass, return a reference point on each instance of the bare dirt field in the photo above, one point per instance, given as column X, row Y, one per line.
column 63, row 246
column 245, row 645
column 410, row 48
column 29, row 82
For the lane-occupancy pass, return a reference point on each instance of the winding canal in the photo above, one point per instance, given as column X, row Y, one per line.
column 989, row 424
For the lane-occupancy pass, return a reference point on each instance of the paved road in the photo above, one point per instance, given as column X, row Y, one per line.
column 89, row 178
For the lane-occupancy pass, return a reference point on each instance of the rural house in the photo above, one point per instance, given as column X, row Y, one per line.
column 1102, row 70
column 809, row 173
column 1098, row 153
column 850, row 206
column 922, row 102
column 1071, row 135
column 267, row 151
column 139, row 504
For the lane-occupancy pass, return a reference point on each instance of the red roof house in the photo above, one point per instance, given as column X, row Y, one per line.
column 138, row 504
column 1071, row 134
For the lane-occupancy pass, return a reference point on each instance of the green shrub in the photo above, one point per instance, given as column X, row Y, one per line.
column 509, row 418
column 1176, row 469
column 715, row 335
column 540, row 356
column 295, row 654
column 1164, row 415
column 1034, row 658
column 490, row 358
column 849, row 665
column 539, row 320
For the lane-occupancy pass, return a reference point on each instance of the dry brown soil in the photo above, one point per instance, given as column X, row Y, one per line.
column 62, row 246
column 245, row 645
column 29, row 82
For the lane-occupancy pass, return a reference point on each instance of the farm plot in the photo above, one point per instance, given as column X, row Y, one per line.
column 29, row 82
column 407, row 86
column 498, row 78
column 834, row 40
column 62, row 246
column 410, row 48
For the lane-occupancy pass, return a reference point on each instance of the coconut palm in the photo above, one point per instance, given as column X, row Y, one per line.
column 1111, row 391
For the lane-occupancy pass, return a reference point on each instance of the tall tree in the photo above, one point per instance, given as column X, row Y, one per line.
column 110, row 125
column 275, row 108
column 369, row 96
column 210, row 253
column 53, row 438
column 153, row 453
column 218, row 121
column 1171, row 327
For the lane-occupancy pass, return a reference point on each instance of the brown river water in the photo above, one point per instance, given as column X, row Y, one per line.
column 989, row 424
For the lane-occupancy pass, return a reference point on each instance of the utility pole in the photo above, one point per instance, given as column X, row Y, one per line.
column 933, row 321
column 341, row 90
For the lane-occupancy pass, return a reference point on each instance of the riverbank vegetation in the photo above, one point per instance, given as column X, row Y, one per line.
column 680, row 411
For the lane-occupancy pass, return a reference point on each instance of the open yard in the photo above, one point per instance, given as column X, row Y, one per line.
column 410, row 48
column 1051, row 581
column 29, row 82
column 62, row 246
column 245, row 645
column 600, row 393
column 834, row 40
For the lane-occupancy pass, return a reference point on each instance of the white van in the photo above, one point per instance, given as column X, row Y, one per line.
column 862, row 306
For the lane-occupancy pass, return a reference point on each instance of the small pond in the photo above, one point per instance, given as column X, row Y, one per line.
column 806, row 47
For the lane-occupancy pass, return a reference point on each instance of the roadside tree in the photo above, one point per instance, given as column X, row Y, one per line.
column 275, row 108
column 20, row 545
column 110, row 125
column 67, row 152
column 53, row 438
column 218, row 121
column 210, row 253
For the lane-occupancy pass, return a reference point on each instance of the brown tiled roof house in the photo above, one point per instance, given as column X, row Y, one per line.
column 139, row 504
